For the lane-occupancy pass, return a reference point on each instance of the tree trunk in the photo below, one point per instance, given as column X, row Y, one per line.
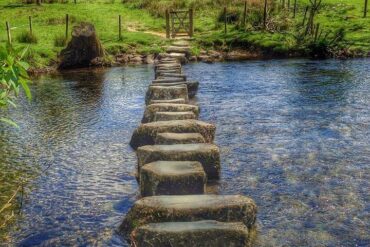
column 82, row 49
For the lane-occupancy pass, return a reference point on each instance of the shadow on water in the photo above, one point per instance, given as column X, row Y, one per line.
column 294, row 135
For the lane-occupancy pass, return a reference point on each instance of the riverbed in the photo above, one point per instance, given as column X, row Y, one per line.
column 294, row 135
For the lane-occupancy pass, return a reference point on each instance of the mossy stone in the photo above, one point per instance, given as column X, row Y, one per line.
column 178, row 138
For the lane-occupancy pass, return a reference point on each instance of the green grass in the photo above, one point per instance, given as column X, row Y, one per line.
column 49, row 23
column 143, row 18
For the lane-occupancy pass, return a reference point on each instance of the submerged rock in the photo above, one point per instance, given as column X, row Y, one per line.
column 178, row 138
column 168, row 116
column 172, row 178
column 223, row 208
column 166, row 93
column 206, row 233
column 145, row 134
column 207, row 154
column 151, row 110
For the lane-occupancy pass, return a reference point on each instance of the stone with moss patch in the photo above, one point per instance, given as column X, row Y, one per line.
column 168, row 116
column 156, row 209
column 145, row 134
column 172, row 178
column 150, row 110
column 178, row 138
column 207, row 154
column 205, row 233
column 165, row 93
column 171, row 101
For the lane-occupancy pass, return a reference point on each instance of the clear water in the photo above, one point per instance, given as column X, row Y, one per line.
column 294, row 135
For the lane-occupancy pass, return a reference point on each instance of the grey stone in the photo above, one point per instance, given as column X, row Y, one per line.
column 168, row 116
column 171, row 101
column 205, row 233
column 192, row 85
column 172, row 178
column 156, row 209
column 145, row 134
column 207, row 154
column 166, row 93
column 178, row 138
column 150, row 110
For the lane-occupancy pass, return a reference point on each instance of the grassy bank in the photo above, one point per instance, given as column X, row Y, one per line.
column 49, row 25
column 144, row 26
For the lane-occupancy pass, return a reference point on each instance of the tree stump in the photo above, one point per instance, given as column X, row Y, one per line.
column 83, row 50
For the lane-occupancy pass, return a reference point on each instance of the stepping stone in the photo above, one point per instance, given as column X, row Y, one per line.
column 205, row 233
column 156, row 209
column 164, row 71
column 168, row 80
column 146, row 133
column 173, row 101
column 178, row 49
column 150, row 110
column 178, row 138
column 207, row 154
column 192, row 86
column 171, row 75
column 181, row 43
column 172, row 178
column 167, row 66
column 168, row 116
column 176, row 55
column 165, row 93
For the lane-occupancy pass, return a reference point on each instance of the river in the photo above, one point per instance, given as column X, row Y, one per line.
column 294, row 135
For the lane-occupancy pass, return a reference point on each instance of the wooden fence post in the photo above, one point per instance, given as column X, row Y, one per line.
column 365, row 8
column 30, row 23
column 265, row 15
column 8, row 32
column 191, row 22
column 245, row 13
column 225, row 19
column 119, row 27
column 295, row 8
column 67, row 23
column 168, row 24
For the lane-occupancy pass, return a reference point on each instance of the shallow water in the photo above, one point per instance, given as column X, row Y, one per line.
column 294, row 135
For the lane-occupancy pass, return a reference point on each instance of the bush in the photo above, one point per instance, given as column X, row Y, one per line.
column 232, row 15
column 60, row 41
column 27, row 37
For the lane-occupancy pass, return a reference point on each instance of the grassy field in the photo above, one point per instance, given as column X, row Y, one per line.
column 144, row 25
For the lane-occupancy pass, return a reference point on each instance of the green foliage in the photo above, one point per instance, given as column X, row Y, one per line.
column 27, row 37
column 13, row 77
column 60, row 41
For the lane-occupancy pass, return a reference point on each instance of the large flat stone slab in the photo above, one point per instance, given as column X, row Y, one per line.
column 169, row 116
column 192, row 85
column 178, row 138
column 172, row 178
column 150, row 110
column 178, row 49
column 205, row 233
column 145, row 134
column 207, row 154
column 156, row 209
column 165, row 75
column 166, row 93
column 171, row 101
column 168, row 80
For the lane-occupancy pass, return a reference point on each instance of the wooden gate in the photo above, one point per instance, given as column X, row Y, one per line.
column 179, row 23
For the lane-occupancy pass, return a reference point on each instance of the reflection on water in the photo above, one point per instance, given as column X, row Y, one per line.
column 294, row 135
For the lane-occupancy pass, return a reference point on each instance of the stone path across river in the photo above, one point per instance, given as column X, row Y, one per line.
column 176, row 160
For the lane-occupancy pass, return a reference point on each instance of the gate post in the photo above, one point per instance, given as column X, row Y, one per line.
column 191, row 22
column 167, row 24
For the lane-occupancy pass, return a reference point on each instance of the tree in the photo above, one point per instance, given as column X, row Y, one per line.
column 13, row 77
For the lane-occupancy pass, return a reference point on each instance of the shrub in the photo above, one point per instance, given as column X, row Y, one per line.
column 60, row 41
column 232, row 15
column 27, row 37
